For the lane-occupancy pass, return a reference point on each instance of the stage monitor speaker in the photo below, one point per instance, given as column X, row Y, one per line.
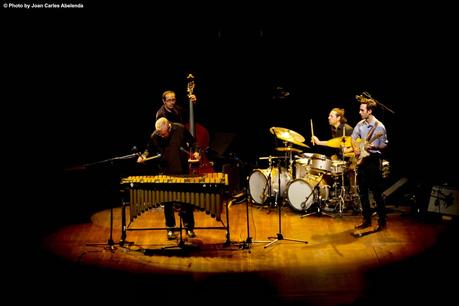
column 394, row 187
column 444, row 200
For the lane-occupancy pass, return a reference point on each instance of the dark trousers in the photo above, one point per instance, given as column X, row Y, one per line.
column 369, row 177
column 185, row 211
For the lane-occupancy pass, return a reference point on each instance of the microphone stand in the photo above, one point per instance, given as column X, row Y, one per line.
column 279, row 235
column 110, row 242
column 248, row 242
column 366, row 93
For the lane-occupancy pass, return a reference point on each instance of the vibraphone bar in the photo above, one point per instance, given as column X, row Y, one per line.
column 206, row 192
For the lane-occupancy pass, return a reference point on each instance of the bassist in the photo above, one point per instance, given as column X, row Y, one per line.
column 369, row 152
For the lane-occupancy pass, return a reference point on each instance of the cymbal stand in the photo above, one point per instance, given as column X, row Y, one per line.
column 354, row 194
column 290, row 163
column 268, row 195
column 342, row 193
column 352, row 191
column 279, row 235
column 316, row 192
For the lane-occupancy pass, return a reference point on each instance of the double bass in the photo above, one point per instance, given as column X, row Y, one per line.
column 200, row 134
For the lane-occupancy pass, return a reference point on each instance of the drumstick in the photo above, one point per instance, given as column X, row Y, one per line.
column 312, row 132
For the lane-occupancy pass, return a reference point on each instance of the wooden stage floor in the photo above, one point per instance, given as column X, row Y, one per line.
column 404, row 262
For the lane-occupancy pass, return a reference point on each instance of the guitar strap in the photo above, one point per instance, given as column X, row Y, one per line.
column 370, row 134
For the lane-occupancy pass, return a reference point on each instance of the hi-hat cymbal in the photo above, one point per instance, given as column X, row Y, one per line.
column 349, row 154
column 288, row 149
column 337, row 142
column 288, row 135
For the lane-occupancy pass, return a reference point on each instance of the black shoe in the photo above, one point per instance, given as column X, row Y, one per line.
column 171, row 235
column 363, row 225
column 190, row 233
column 380, row 227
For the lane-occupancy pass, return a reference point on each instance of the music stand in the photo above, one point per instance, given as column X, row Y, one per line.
column 110, row 242
column 279, row 235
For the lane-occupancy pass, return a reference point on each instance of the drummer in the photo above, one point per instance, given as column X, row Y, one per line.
column 339, row 130
column 341, row 145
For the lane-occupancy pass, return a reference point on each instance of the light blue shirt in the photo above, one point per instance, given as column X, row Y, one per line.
column 379, row 135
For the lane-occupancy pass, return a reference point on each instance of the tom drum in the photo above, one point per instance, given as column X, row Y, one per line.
column 338, row 167
column 302, row 167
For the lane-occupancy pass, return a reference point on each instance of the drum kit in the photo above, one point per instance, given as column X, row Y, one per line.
column 303, row 180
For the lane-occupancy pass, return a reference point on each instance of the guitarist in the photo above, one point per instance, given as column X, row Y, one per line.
column 373, row 141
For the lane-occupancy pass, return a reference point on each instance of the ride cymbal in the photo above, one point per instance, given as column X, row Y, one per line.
column 288, row 135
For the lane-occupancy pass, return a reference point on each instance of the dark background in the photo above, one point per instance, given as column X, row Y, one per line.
column 82, row 86
column 85, row 84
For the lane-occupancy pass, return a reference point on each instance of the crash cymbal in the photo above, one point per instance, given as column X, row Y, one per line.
column 288, row 135
column 300, row 144
column 337, row 142
column 288, row 149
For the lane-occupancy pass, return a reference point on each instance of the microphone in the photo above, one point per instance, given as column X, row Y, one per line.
column 363, row 96
column 135, row 151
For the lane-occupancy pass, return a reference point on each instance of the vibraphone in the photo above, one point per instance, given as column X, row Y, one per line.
column 206, row 192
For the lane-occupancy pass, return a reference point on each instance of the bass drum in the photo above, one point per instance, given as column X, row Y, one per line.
column 301, row 195
column 259, row 187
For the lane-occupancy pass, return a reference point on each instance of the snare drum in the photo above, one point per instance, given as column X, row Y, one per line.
column 338, row 167
column 320, row 163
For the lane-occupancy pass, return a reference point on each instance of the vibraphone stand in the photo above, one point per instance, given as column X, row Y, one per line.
column 181, row 246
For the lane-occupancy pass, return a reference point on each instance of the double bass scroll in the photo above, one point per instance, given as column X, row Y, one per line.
column 199, row 132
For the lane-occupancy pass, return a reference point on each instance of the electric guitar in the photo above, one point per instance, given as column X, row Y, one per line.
column 361, row 144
